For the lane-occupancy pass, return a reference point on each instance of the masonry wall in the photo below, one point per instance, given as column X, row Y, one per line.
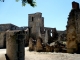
column 5, row 27
column 52, row 34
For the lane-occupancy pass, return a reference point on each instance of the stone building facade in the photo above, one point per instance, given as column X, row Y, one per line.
column 73, row 29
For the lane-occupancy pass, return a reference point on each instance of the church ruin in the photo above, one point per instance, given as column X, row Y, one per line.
column 34, row 29
column 40, row 38
column 36, row 36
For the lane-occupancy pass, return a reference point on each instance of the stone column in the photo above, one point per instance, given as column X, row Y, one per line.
column 15, row 45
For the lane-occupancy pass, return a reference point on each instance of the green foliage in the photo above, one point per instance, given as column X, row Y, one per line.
column 24, row 2
column 31, row 2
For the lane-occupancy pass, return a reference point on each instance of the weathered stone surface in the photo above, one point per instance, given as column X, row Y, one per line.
column 15, row 45
column 57, row 47
column 49, row 48
column 46, row 37
column 73, row 30
column 39, row 46
column 2, row 39
column 31, row 44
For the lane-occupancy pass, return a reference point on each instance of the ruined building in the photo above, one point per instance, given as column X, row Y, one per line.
column 34, row 29
column 37, row 29
column 73, row 29
column 40, row 36
column 14, row 38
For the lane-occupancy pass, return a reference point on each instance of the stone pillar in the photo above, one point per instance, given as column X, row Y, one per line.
column 15, row 45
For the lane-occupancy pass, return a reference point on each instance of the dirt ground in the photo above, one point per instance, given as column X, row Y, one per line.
column 44, row 55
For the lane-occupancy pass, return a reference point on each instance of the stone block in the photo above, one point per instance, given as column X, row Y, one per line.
column 15, row 45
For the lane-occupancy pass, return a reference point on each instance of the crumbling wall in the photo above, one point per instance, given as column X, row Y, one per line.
column 52, row 34
column 37, row 29
column 73, row 30
column 5, row 27
column 71, row 40
column 15, row 45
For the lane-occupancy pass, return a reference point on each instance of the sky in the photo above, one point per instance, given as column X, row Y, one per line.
column 55, row 12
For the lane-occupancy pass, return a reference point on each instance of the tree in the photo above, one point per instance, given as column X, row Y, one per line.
column 24, row 2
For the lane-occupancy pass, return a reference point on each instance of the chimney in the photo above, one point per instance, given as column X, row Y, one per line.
column 75, row 5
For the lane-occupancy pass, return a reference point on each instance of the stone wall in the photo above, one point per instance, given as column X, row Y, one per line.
column 15, row 45
column 5, row 27
column 73, row 29
column 9, row 26
column 52, row 34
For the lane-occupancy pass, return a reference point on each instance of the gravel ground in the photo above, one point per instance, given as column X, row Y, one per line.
column 44, row 55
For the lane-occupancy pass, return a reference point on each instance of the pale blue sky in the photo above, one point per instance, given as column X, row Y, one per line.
column 55, row 12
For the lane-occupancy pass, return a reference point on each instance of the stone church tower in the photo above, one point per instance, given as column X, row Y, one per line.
column 35, row 22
